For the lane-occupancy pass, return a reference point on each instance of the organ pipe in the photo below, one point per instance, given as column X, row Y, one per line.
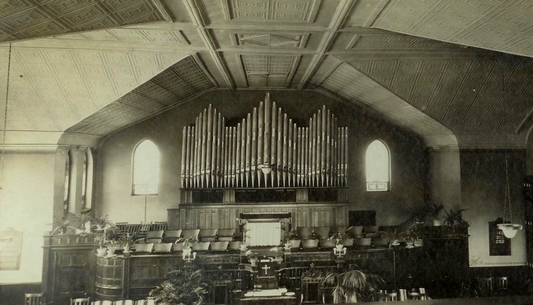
column 264, row 143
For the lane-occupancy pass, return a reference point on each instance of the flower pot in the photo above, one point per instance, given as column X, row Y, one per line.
column 327, row 243
column 418, row 242
column 101, row 251
column 310, row 243
column 295, row 243
column 437, row 223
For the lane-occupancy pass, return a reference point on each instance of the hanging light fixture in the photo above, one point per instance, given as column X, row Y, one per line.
column 508, row 228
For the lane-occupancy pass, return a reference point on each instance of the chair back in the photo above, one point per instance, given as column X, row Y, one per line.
column 163, row 248
column 107, row 302
column 155, row 234
column 124, row 302
column 485, row 286
column 33, row 298
column 144, row 248
column 501, row 283
column 175, row 234
column 159, row 225
column 226, row 232
column 190, row 233
column 80, row 301
column 389, row 297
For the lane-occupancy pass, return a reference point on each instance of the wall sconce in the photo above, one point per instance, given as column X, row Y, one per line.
column 339, row 250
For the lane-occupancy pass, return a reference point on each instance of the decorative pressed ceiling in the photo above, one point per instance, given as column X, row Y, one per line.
column 89, row 68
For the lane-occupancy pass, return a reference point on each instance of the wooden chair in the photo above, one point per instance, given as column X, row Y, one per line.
column 159, row 225
column 389, row 297
column 208, row 234
column 122, row 226
column 171, row 236
column 124, row 302
column 501, row 285
column 107, row 303
column 485, row 286
column 80, row 301
column 33, row 298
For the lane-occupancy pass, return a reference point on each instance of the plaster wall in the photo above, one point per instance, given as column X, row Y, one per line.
column 483, row 187
column 27, row 201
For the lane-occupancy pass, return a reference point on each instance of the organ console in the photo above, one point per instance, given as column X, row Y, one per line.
column 266, row 149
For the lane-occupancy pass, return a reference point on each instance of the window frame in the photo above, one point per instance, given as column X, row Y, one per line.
column 133, row 184
column 389, row 170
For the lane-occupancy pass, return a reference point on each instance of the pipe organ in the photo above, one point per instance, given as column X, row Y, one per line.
column 266, row 149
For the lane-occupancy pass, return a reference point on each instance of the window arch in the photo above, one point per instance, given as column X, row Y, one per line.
column 146, row 168
column 377, row 167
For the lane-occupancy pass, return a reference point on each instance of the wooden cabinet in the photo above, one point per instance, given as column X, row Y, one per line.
column 68, row 267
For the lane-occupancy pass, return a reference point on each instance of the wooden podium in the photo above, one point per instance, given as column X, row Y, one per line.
column 266, row 275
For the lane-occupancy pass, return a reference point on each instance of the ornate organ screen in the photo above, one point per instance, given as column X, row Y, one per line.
column 265, row 149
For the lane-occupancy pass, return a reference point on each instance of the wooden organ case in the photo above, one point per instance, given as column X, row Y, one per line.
column 264, row 164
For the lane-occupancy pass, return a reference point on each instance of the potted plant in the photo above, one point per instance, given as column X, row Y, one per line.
column 187, row 286
column 294, row 239
column 454, row 218
column 252, row 257
column 353, row 285
column 67, row 222
column 101, row 240
column 101, row 222
column 126, row 240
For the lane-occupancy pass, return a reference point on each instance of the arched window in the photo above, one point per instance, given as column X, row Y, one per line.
column 377, row 167
column 145, row 168
column 87, row 183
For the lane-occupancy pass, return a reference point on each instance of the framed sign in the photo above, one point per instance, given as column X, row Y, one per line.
column 499, row 245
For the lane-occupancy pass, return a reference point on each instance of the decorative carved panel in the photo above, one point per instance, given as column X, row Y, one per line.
column 283, row 40
column 273, row 10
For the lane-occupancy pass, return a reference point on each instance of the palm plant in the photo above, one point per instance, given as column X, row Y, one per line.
column 352, row 285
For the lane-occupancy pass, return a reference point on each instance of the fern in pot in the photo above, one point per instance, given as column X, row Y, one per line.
column 187, row 286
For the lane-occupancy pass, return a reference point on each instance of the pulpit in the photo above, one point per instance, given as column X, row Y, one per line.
column 266, row 275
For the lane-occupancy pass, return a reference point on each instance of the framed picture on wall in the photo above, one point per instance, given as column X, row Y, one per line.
column 499, row 245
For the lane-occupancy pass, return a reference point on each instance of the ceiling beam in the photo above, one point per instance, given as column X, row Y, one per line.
column 206, row 38
column 343, row 9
